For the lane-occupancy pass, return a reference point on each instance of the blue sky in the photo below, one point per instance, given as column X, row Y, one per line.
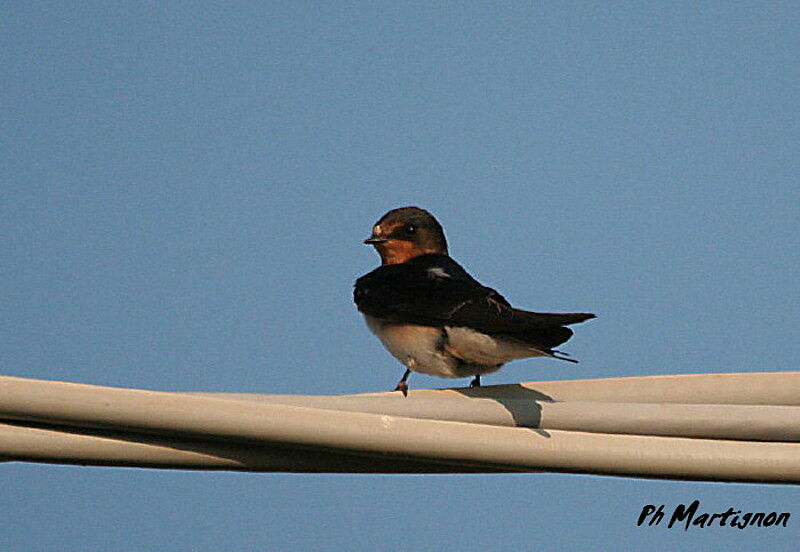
column 186, row 187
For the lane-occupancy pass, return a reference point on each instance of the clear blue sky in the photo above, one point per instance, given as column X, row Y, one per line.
column 186, row 187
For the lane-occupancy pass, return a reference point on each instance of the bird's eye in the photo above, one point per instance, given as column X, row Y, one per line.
column 411, row 228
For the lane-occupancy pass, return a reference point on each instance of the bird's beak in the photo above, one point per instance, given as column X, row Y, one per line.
column 372, row 240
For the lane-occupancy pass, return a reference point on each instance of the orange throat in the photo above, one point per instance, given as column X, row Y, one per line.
column 399, row 251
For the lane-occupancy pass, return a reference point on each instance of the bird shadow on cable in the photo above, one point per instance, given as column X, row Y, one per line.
column 521, row 402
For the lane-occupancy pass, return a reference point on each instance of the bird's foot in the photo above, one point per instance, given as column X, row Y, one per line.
column 402, row 386
column 476, row 382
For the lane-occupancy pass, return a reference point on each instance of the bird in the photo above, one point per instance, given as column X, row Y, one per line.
column 435, row 318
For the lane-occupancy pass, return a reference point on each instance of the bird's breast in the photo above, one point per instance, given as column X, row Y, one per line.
column 406, row 340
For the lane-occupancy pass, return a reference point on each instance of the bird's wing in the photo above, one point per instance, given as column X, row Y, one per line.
column 434, row 290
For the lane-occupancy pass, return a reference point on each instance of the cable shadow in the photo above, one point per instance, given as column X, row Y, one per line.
column 521, row 402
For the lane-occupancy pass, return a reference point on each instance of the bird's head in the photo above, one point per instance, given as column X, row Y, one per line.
column 407, row 232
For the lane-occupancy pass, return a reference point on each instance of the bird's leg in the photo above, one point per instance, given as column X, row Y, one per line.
column 476, row 382
column 402, row 386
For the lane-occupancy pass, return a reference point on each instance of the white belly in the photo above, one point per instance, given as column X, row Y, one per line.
column 425, row 349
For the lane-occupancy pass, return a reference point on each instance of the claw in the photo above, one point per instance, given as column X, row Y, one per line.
column 402, row 385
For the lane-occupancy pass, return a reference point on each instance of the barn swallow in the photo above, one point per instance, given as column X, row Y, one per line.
column 435, row 318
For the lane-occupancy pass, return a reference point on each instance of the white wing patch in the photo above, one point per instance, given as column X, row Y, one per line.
column 437, row 272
